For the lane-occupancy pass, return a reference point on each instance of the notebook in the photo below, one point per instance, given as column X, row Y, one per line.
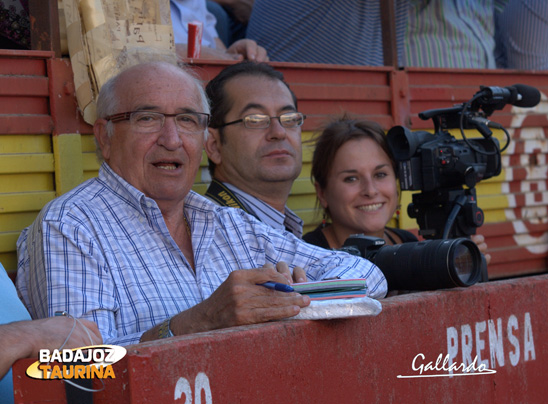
column 332, row 289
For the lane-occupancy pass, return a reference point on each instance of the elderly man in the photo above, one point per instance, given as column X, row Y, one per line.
column 139, row 253
column 254, row 147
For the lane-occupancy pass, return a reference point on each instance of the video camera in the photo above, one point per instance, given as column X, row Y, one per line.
column 440, row 166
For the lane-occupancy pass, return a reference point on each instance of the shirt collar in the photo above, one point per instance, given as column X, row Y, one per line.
column 267, row 214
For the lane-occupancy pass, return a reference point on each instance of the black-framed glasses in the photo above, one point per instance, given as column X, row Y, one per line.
column 151, row 122
column 260, row 121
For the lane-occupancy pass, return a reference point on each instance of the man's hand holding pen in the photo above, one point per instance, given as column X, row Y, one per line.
column 240, row 300
column 298, row 275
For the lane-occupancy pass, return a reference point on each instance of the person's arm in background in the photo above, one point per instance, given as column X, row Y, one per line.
column 24, row 339
column 239, row 50
column 183, row 12
column 482, row 245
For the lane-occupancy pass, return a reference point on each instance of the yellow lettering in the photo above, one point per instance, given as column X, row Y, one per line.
column 56, row 373
column 80, row 372
column 44, row 369
column 109, row 372
column 68, row 372
column 96, row 371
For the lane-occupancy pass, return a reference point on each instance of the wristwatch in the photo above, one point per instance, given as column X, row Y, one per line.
column 165, row 329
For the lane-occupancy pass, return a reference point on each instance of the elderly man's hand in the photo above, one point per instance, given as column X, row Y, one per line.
column 240, row 300
column 298, row 275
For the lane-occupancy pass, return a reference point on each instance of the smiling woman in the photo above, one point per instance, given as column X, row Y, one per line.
column 356, row 183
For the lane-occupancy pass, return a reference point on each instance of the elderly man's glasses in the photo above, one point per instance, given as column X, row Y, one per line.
column 151, row 122
column 260, row 121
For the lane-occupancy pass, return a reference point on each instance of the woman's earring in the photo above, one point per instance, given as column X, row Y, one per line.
column 324, row 219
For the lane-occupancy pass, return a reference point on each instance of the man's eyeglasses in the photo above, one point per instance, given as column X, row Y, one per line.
column 151, row 122
column 260, row 121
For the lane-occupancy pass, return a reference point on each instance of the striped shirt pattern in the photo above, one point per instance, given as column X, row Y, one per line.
column 103, row 252
column 327, row 31
column 452, row 33
column 267, row 214
column 523, row 35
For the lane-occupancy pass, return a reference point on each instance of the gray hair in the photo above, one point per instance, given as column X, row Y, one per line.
column 108, row 101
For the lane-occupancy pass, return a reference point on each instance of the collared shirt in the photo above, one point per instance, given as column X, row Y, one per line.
column 103, row 252
column 452, row 33
column 522, row 35
column 327, row 31
column 267, row 214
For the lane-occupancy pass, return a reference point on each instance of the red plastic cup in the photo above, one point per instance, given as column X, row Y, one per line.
column 194, row 44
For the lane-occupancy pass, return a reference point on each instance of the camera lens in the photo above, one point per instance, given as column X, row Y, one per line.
column 430, row 264
column 463, row 263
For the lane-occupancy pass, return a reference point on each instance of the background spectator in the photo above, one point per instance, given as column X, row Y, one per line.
column 452, row 33
column 522, row 35
column 185, row 11
column 329, row 31
column 232, row 17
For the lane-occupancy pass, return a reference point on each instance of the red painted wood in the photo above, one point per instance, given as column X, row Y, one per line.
column 64, row 107
column 350, row 360
column 23, row 85
column 23, row 124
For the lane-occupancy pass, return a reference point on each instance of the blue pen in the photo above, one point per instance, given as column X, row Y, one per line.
column 282, row 287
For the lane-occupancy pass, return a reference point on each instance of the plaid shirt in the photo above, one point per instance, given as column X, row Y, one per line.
column 103, row 252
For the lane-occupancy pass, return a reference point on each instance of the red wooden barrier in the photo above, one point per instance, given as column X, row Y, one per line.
column 500, row 325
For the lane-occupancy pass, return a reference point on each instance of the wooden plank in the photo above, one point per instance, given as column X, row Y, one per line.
column 18, row 182
column 29, row 143
column 16, row 221
column 26, row 163
column 89, row 162
column 19, row 124
column 26, row 202
column 498, row 325
column 24, row 85
column 8, row 240
column 24, row 63
column 341, row 92
column 24, row 105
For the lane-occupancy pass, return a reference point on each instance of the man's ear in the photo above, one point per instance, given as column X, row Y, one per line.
column 213, row 146
column 320, row 194
column 101, row 135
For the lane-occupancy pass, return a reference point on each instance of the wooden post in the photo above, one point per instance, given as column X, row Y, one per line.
column 388, row 24
column 44, row 26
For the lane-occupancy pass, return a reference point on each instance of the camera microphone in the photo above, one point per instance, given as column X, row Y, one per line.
column 519, row 95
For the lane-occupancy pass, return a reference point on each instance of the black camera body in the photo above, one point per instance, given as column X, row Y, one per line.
column 439, row 166
column 421, row 265
column 446, row 170
column 428, row 161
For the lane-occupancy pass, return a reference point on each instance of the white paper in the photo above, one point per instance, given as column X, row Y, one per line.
column 339, row 308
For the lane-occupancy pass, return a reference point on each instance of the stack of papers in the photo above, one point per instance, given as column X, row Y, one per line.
column 332, row 289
